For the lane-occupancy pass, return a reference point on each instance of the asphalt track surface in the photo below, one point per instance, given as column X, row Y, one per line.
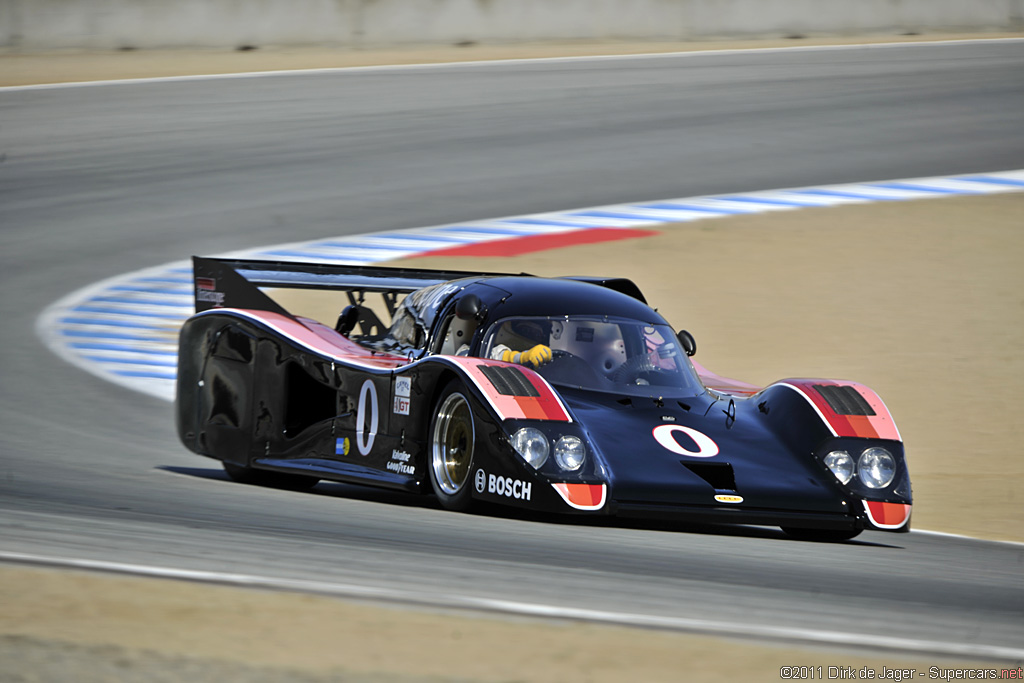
column 97, row 181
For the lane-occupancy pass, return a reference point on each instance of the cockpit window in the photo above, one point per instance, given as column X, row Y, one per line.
column 603, row 354
column 414, row 318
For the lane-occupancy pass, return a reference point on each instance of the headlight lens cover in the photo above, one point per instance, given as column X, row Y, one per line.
column 570, row 453
column 876, row 468
column 532, row 445
column 841, row 464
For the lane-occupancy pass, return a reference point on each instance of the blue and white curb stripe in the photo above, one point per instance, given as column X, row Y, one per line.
column 125, row 329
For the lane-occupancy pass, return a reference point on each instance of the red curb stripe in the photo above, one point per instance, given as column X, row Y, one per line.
column 515, row 246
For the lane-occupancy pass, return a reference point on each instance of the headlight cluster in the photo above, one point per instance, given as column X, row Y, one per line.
column 875, row 468
column 534, row 447
column 570, row 453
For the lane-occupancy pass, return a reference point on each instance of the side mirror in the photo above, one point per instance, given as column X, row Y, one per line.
column 347, row 320
column 687, row 341
column 469, row 307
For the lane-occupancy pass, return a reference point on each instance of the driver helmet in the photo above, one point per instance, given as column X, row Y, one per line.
column 522, row 335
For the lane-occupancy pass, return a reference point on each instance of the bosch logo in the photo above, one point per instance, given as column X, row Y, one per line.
column 502, row 486
column 508, row 487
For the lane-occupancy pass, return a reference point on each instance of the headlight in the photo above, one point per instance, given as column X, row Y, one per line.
column 841, row 465
column 876, row 468
column 570, row 452
column 532, row 445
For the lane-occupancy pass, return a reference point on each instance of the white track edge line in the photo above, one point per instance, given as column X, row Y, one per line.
column 511, row 607
column 493, row 62
column 964, row 537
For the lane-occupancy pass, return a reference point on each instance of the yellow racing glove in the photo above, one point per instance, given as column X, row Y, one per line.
column 536, row 356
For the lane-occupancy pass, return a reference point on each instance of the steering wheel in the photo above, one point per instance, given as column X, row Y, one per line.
column 569, row 365
column 630, row 371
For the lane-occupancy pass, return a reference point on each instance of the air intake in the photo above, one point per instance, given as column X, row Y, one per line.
column 718, row 474
column 844, row 400
column 508, row 381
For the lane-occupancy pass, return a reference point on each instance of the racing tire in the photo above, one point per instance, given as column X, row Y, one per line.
column 451, row 447
column 276, row 480
column 821, row 535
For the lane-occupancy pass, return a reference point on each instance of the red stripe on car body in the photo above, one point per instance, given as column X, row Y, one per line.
column 877, row 426
column 887, row 515
column 546, row 406
column 582, row 496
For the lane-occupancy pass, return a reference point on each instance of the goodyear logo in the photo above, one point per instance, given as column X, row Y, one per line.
column 722, row 498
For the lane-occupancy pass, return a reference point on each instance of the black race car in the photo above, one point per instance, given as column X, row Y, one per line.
column 561, row 395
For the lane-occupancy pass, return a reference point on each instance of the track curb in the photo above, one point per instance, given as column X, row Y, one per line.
column 124, row 329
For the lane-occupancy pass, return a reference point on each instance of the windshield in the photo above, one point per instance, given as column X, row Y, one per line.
column 603, row 354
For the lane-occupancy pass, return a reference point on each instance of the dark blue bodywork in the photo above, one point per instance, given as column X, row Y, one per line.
column 659, row 443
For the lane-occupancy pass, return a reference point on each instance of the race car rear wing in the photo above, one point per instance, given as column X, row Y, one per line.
column 233, row 280
column 236, row 283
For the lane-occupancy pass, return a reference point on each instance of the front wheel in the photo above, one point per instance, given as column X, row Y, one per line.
column 452, row 442
column 825, row 535
column 277, row 480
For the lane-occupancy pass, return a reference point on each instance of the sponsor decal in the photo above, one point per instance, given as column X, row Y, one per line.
column 366, row 417
column 403, row 390
column 481, row 481
column 666, row 436
column 721, row 498
column 206, row 291
column 401, row 405
column 400, row 463
column 341, row 446
column 505, row 486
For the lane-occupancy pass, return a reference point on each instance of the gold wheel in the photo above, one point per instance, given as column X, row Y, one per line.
column 451, row 455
